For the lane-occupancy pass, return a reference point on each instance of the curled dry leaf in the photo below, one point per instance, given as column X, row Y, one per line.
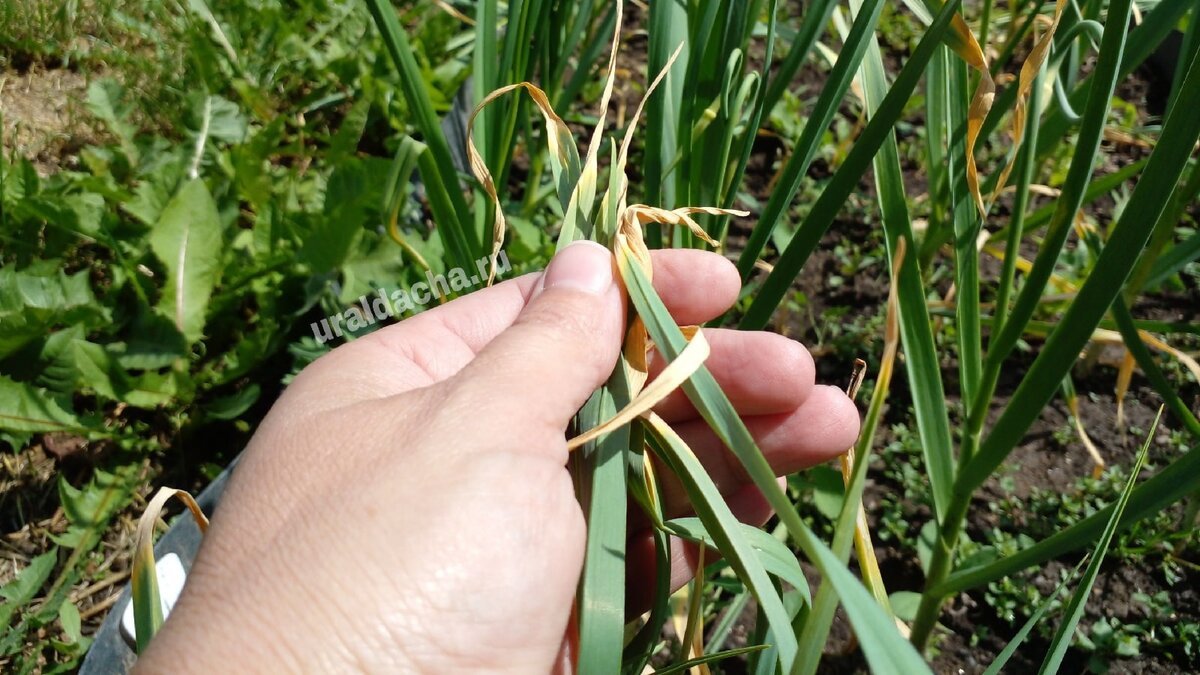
column 1029, row 70
column 147, row 611
column 676, row 373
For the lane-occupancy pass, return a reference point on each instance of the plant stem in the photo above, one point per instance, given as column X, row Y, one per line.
column 939, row 568
column 1026, row 167
column 1025, row 171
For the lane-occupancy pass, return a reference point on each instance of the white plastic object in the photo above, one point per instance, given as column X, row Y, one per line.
column 171, row 577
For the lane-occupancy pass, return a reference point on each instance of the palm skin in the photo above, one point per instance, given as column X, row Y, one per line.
column 406, row 506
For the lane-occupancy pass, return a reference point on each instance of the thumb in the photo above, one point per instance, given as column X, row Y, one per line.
column 562, row 346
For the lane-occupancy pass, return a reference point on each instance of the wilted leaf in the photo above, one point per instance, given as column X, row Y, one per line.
column 147, row 605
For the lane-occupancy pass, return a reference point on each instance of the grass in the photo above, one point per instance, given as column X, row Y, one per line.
column 296, row 134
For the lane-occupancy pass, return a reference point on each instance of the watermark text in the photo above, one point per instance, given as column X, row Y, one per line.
column 382, row 305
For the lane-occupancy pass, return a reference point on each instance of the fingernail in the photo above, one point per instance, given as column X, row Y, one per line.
column 583, row 266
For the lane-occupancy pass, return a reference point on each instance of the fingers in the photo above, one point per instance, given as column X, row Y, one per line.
column 696, row 286
column 562, row 346
column 436, row 344
column 415, row 353
column 761, row 373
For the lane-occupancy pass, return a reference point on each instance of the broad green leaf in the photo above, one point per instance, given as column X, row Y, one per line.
column 828, row 490
column 904, row 604
column 68, row 617
column 97, row 370
column 105, row 100
column 19, row 183
column 215, row 118
column 40, row 297
column 234, row 405
column 153, row 343
column 24, row 587
column 24, row 408
column 153, row 192
column 91, row 507
column 187, row 239
column 338, row 230
column 53, row 368
column 345, row 141
column 58, row 223
column 88, row 209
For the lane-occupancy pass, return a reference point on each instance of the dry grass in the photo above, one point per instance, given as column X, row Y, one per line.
column 51, row 51
column 42, row 116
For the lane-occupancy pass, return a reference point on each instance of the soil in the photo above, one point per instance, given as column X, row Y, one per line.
column 43, row 116
column 41, row 121
column 975, row 635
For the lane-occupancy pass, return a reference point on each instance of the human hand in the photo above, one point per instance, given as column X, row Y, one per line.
column 405, row 505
